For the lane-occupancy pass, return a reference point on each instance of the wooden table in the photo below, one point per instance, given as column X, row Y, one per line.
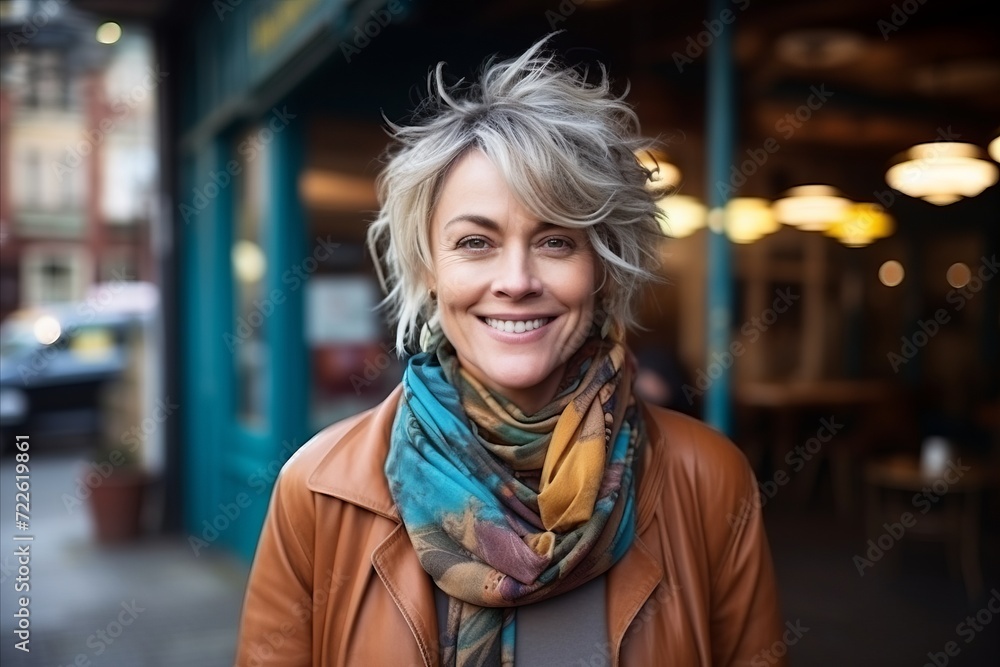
column 945, row 507
column 787, row 402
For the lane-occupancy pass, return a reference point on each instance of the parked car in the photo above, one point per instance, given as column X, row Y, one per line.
column 55, row 360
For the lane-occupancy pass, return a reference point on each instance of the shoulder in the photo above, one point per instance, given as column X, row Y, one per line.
column 691, row 447
column 700, row 480
column 346, row 460
column 311, row 455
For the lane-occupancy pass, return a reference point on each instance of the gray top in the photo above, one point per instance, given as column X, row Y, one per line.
column 569, row 629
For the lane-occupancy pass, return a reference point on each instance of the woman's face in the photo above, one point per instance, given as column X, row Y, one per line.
column 515, row 294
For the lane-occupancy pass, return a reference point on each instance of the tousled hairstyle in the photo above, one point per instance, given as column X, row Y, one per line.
column 565, row 146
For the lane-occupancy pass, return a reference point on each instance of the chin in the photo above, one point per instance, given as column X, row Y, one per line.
column 516, row 382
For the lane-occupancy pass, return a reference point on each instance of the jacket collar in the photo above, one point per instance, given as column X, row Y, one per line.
column 353, row 471
column 354, row 468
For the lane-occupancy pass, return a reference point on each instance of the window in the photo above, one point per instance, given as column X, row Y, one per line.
column 31, row 186
column 248, row 340
column 53, row 275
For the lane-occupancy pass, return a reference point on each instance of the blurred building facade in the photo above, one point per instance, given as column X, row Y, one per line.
column 272, row 137
column 75, row 205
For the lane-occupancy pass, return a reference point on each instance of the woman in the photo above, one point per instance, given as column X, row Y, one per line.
column 512, row 502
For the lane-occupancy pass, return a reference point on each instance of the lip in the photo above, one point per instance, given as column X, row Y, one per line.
column 525, row 337
column 519, row 317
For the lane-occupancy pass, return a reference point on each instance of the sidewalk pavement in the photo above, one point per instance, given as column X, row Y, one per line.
column 150, row 604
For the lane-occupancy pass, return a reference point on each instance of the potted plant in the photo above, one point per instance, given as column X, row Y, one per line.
column 117, row 479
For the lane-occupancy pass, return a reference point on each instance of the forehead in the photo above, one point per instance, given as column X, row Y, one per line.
column 475, row 192
column 474, row 189
column 472, row 178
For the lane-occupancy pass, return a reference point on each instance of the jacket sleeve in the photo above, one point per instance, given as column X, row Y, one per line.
column 746, row 623
column 276, row 624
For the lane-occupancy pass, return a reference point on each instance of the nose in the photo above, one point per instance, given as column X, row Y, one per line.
column 516, row 275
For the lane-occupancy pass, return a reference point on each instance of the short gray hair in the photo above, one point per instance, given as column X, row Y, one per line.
column 566, row 147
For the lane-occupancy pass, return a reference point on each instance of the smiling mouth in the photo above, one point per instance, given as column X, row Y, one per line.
column 516, row 326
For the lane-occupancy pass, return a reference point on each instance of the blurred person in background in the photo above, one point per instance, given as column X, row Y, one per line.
column 514, row 501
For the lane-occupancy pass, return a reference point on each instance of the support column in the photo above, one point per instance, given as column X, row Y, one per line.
column 720, row 127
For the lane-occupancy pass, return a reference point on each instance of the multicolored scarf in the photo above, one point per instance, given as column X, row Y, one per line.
column 506, row 509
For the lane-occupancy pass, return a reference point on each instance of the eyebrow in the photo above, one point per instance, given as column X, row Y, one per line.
column 491, row 224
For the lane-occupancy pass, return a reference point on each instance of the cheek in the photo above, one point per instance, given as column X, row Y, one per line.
column 451, row 280
column 580, row 287
column 454, row 294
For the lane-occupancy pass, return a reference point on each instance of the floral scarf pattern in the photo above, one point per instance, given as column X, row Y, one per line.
column 505, row 509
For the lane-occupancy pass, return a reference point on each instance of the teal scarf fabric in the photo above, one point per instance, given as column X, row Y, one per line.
column 505, row 509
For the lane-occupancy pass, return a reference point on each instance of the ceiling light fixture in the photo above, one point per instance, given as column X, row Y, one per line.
column 942, row 172
column 812, row 208
column 749, row 219
column 994, row 149
column 681, row 215
column 862, row 224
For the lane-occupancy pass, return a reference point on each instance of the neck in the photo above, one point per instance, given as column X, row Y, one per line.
column 529, row 400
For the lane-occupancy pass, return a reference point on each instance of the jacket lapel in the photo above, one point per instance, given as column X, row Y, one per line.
column 353, row 471
column 354, row 468
column 630, row 583
column 634, row 578
column 397, row 566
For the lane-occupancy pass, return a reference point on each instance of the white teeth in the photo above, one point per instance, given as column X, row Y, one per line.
column 516, row 326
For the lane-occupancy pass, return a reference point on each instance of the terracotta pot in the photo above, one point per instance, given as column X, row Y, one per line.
column 116, row 503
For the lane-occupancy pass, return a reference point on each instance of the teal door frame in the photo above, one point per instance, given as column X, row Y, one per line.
column 230, row 467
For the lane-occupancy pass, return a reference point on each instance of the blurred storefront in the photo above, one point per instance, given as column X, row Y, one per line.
column 79, row 187
column 272, row 143
column 221, row 158
column 78, row 161
column 280, row 331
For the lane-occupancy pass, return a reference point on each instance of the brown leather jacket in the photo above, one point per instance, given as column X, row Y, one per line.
column 335, row 580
